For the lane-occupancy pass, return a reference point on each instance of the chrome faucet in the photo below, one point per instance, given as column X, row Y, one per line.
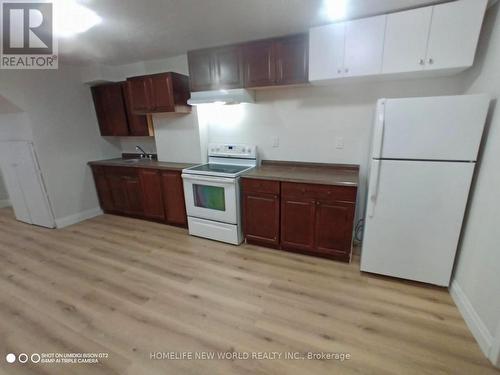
column 144, row 154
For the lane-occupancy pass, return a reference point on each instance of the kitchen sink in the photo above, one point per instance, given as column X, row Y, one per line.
column 132, row 161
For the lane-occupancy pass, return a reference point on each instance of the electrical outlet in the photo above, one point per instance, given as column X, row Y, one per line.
column 339, row 142
column 276, row 142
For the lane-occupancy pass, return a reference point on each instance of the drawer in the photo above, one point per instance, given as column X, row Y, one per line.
column 324, row 192
column 260, row 186
column 122, row 171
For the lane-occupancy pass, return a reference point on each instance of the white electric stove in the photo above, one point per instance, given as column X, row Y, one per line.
column 212, row 192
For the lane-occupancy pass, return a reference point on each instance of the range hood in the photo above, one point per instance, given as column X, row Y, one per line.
column 233, row 96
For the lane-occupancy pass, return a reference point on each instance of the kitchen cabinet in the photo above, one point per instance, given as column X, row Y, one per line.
column 454, row 33
column 333, row 227
column 259, row 63
column 103, row 189
column 125, row 191
column 152, row 194
column 292, row 60
column 297, row 223
column 308, row 218
column 261, row 212
column 114, row 115
column 406, row 38
column 364, row 46
column 262, row 63
column 146, row 193
column 138, row 125
column 275, row 62
column 326, row 51
column 159, row 93
column 348, row 49
column 413, row 43
column 216, row 68
column 173, row 198
column 110, row 109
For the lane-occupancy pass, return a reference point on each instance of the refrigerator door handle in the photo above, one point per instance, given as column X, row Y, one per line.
column 378, row 132
column 373, row 187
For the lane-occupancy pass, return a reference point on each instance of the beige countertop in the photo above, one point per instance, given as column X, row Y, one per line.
column 314, row 173
column 153, row 164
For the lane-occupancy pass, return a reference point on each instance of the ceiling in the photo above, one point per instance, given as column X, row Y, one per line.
column 138, row 30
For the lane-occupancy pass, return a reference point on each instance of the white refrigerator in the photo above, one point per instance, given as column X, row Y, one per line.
column 422, row 161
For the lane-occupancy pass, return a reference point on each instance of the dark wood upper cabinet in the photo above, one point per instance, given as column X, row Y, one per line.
column 201, row 70
column 152, row 194
column 159, row 93
column 259, row 63
column 138, row 125
column 110, row 109
column 228, row 67
column 173, row 198
column 292, row 60
column 216, row 68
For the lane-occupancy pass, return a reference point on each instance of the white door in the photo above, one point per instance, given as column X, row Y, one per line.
column 432, row 128
column 25, row 184
column 454, row 33
column 406, row 37
column 364, row 46
column 326, row 52
column 414, row 216
column 211, row 198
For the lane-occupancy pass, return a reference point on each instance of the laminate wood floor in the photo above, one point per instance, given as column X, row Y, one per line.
column 129, row 288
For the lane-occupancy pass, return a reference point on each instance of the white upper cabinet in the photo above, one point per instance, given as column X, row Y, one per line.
column 364, row 46
column 454, row 34
column 406, row 36
column 326, row 51
column 411, row 43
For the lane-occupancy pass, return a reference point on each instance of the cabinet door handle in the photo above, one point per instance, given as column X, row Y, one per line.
column 317, row 203
column 346, row 70
column 339, row 71
column 431, row 60
column 421, row 61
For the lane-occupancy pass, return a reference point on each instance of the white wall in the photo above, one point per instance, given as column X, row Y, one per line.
column 65, row 133
column 308, row 119
column 477, row 273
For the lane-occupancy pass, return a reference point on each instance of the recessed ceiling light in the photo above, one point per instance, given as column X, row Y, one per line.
column 335, row 10
column 72, row 18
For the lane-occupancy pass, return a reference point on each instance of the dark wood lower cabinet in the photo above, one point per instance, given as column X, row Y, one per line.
column 307, row 218
column 297, row 224
column 150, row 194
column 173, row 198
column 333, row 228
column 261, row 225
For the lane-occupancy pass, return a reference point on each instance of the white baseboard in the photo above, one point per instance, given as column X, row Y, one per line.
column 76, row 218
column 472, row 319
column 4, row 203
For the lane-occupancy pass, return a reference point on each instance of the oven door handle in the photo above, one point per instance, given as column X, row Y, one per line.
column 196, row 177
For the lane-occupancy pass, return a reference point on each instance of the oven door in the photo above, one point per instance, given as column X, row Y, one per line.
column 212, row 198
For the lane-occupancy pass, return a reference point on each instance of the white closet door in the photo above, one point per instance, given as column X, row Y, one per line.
column 25, row 184
column 406, row 37
column 364, row 46
column 326, row 52
column 454, row 34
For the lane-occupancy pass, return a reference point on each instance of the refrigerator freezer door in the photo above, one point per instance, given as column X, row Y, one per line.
column 433, row 128
column 415, row 219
